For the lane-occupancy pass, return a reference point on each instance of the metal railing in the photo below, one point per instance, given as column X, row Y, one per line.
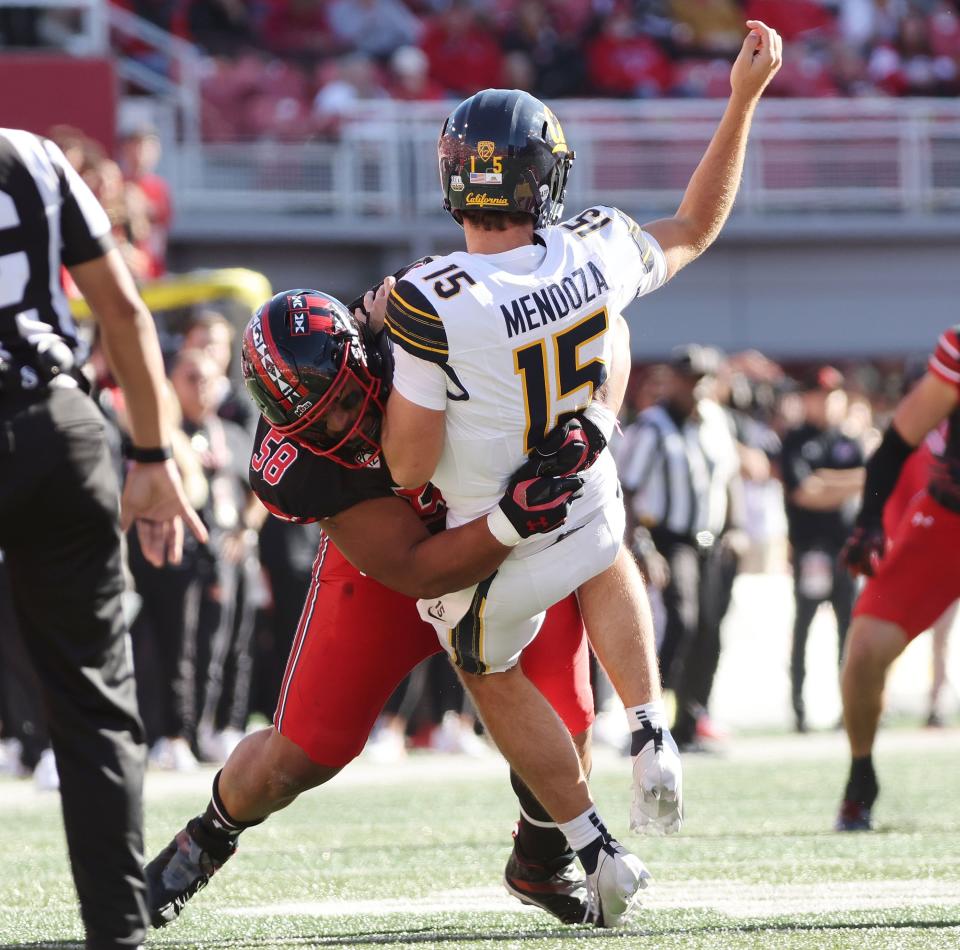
column 175, row 85
column 806, row 156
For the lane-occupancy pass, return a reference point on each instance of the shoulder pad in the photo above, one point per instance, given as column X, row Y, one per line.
column 414, row 324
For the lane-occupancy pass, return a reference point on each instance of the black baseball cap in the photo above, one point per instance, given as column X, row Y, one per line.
column 694, row 359
column 823, row 379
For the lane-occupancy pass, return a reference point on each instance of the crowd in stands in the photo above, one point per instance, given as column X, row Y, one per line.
column 293, row 69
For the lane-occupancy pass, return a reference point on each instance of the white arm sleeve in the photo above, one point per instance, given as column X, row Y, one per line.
column 423, row 383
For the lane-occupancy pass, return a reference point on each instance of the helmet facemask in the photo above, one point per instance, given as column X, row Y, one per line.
column 299, row 398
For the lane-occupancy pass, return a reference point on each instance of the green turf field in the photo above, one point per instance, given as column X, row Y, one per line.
column 411, row 856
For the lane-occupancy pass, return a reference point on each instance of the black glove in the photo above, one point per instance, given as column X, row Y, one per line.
column 569, row 448
column 864, row 549
column 534, row 503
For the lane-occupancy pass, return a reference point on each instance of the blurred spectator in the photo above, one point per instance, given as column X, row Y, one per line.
column 164, row 632
column 554, row 54
column 374, row 27
column 823, row 477
column 794, row 18
column 679, row 468
column 127, row 211
column 295, row 27
column 865, row 22
column 410, row 76
column 211, row 332
column 139, row 157
column 463, row 50
column 707, row 27
column 518, row 71
column 221, row 26
column 348, row 81
column 233, row 518
column 622, row 61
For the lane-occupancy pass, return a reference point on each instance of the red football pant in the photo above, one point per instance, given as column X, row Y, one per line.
column 357, row 640
column 919, row 576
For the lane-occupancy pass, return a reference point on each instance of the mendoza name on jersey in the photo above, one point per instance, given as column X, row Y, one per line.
column 554, row 301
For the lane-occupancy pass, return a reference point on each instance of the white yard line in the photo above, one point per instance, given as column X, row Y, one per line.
column 734, row 899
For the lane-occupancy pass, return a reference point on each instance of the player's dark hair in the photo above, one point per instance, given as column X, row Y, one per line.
column 496, row 220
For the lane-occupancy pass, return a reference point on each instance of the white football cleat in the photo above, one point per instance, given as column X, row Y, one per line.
column 657, row 806
column 614, row 886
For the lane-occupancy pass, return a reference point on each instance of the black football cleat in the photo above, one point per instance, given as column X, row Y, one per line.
column 182, row 868
column 560, row 890
column 853, row 816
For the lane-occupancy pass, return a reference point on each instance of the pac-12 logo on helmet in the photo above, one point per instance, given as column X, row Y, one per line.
column 510, row 148
column 305, row 366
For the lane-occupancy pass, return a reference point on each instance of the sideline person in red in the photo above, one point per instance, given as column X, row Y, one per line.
column 913, row 578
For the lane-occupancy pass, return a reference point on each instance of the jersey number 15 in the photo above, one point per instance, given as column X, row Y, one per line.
column 530, row 364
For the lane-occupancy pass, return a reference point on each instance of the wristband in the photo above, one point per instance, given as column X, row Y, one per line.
column 500, row 527
column 653, row 714
column 602, row 417
column 147, row 456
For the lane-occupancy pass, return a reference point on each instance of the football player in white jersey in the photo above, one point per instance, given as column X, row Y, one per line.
column 492, row 345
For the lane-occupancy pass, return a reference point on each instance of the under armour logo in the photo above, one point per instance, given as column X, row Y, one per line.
column 540, row 523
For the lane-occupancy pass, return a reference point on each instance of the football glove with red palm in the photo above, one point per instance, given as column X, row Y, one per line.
column 569, row 448
column 864, row 549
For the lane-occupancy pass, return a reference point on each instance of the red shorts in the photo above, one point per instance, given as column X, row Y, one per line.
column 919, row 576
column 357, row 640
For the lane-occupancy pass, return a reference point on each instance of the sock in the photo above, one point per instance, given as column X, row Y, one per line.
column 217, row 820
column 538, row 838
column 862, row 785
column 647, row 722
column 587, row 834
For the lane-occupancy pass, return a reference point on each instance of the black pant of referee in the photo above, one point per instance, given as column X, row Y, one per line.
column 59, row 529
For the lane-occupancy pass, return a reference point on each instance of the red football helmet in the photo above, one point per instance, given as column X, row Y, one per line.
column 306, row 367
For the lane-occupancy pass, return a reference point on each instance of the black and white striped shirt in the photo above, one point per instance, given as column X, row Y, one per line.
column 48, row 218
column 679, row 475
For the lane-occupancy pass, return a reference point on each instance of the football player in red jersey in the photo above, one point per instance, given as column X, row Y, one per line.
column 317, row 379
column 913, row 578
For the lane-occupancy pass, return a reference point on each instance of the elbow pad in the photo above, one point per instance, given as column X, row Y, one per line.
column 883, row 470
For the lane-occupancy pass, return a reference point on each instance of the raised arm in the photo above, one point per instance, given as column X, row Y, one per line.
column 713, row 187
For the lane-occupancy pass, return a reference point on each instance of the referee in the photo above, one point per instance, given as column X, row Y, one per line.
column 58, row 512
column 679, row 469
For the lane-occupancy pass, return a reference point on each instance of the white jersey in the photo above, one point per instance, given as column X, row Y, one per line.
column 507, row 343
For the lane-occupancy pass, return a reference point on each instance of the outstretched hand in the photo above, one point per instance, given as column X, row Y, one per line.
column 154, row 500
column 760, row 57
column 373, row 308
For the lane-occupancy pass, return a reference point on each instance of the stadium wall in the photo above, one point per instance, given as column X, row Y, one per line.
column 883, row 291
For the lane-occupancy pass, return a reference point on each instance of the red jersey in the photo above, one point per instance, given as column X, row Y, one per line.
column 945, row 474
